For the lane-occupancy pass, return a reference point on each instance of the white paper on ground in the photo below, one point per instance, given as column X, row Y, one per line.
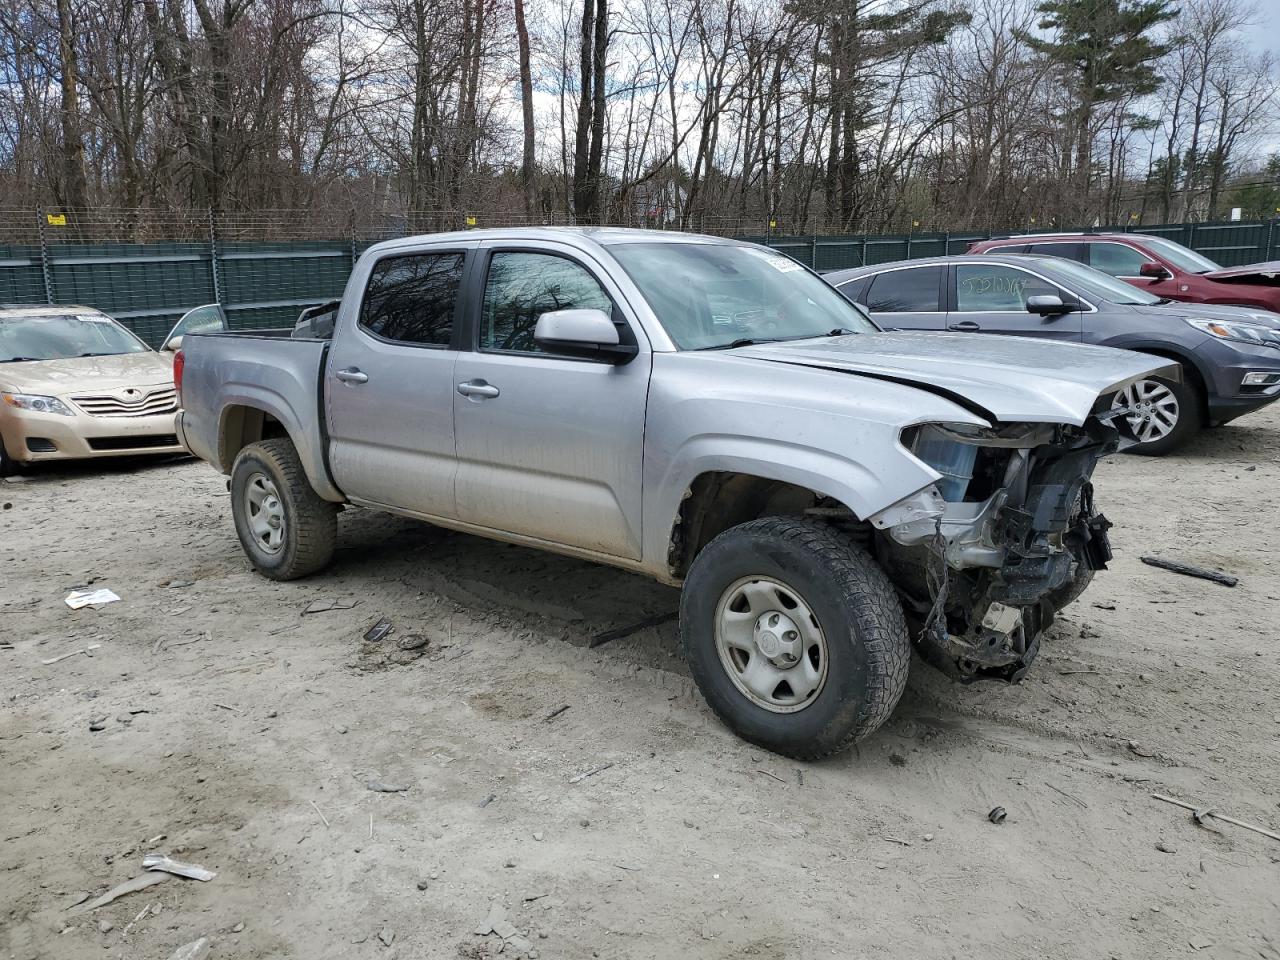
column 89, row 598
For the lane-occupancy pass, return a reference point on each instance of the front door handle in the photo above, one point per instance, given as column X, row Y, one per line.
column 352, row 375
column 965, row 325
column 478, row 388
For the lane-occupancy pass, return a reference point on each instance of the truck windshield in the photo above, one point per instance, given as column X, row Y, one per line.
column 62, row 336
column 715, row 295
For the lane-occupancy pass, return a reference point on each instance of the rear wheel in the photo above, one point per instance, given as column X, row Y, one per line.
column 794, row 635
column 1163, row 414
column 285, row 527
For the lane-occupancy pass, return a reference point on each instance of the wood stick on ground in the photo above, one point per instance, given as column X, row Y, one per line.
column 323, row 818
column 1187, row 570
column 1218, row 816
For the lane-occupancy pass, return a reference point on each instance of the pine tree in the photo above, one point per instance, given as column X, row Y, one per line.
column 1106, row 49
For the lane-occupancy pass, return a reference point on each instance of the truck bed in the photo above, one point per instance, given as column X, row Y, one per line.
column 268, row 370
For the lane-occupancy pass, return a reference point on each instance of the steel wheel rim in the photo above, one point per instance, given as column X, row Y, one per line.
column 1152, row 409
column 264, row 513
column 771, row 644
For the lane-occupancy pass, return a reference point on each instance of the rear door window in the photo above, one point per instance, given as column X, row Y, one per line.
column 1070, row 251
column 913, row 290
column 413, row 299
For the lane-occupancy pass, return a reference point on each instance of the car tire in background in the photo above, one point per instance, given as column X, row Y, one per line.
column 8, row 465
column 286, row 529
column 1166, row 414
column 794, row 635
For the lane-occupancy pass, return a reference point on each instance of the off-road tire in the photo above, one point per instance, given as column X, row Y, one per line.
column 1190, row 419
column 869, row 649
column 311, row 523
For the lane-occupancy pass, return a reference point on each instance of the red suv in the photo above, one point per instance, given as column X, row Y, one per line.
column 1159, row 266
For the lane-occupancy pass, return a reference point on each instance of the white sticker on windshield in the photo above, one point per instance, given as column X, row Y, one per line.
column 779, row 262
column 92, row 318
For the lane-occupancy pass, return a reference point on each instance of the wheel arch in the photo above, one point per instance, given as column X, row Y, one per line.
column 716, row 500
column 1197, row 376
column 243, row 420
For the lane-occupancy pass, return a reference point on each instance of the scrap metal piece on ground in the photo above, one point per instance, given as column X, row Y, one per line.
column 120, row 890
column 378, row 631
column 618, row 634
column 1187, row 570
column 195, row 950
column 88, row 651
column 156, row 861
column 377, row 786
column 89, row 598
column 324, row 606
column 1201, row 813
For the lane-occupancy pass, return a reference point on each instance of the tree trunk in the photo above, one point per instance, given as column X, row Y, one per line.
column 75, row 191
column 527, row 162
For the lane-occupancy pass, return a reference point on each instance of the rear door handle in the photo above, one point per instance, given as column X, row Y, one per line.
column 966, row 325
column 478, row 388
column 352, row 375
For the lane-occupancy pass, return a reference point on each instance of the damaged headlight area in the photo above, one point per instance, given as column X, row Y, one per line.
column 1009, row 533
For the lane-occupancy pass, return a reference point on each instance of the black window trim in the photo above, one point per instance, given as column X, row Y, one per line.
column 626, row 332
column 460, row 300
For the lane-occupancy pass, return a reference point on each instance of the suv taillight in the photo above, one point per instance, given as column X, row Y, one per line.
column 179, row 364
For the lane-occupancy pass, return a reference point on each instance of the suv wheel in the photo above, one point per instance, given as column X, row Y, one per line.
column 285, row 527
column 794, row 635
column 1163, row 414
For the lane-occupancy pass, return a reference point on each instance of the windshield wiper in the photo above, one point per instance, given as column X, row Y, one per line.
column 840, row 332
column 744, row 342
column 20, row 360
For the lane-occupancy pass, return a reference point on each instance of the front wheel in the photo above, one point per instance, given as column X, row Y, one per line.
column 286, row 529
column 1163, row 414
column 794, row 635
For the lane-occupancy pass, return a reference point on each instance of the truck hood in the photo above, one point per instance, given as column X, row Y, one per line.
column 1010, row 379
column 84, row 374
column 1262, row 272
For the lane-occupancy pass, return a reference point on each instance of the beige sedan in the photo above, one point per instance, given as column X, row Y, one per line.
column 76, row 384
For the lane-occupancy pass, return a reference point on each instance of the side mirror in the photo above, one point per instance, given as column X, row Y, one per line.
column 1047, row 305
column 589, row 334
column 1154, row 271
column 173, row 344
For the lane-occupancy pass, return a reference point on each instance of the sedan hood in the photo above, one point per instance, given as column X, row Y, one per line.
column 1263, row 271
column 1008, row 378
column 84, row 374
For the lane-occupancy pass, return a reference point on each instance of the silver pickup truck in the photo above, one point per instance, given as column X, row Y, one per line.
column 702, row 411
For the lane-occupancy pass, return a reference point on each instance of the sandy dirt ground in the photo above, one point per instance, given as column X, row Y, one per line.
column 239, row 733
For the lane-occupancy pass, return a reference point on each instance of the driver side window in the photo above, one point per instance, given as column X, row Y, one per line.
column 521, row 287
column 997, row 288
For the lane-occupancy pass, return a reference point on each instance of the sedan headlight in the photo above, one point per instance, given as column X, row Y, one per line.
column 26, row 401
column 1234, row 330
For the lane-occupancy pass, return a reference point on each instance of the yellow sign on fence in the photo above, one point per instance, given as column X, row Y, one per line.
column 56, row 219
column 471, row 221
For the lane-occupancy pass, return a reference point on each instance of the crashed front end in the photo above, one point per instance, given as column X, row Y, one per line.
column 1009, row 534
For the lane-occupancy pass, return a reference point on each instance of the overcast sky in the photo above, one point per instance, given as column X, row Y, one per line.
column 1267, row 36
